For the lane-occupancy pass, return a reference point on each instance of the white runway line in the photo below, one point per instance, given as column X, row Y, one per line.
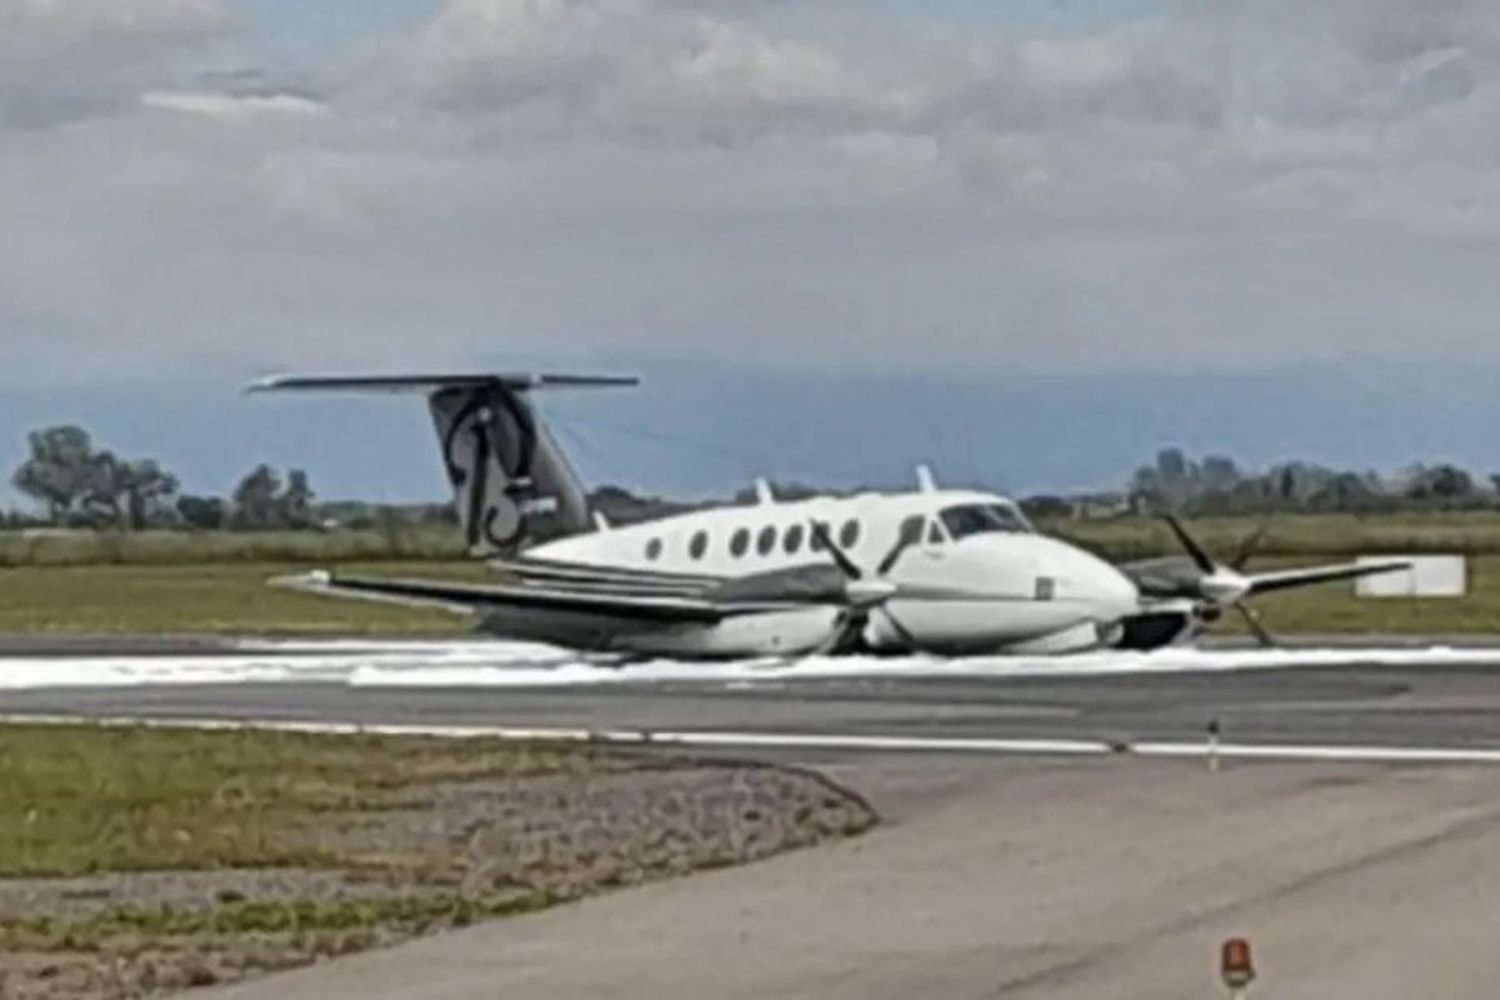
column 1332, row 753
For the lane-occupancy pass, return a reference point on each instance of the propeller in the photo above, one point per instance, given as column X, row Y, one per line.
column 862, row 592
column 1224, row 584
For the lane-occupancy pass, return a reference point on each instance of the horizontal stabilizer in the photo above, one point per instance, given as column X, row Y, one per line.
column 435, row 383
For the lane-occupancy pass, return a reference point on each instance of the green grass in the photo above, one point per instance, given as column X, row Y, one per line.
column 164, row 583
column 175, row 548
column 1319, row 535
column 225, row 598
column 77, row 800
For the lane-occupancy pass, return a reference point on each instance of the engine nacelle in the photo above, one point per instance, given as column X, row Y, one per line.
column 1154, row 629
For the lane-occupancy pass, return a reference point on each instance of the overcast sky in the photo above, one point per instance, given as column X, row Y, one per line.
column 203, row 190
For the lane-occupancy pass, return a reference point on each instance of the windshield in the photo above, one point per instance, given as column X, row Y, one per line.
column 980, row 518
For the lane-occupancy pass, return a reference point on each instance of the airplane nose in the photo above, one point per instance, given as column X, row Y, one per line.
column 1101, row 583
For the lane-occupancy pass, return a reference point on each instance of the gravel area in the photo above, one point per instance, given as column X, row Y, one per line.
column 459, row 853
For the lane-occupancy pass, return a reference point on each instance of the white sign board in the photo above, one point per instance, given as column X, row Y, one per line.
column 1429, row 576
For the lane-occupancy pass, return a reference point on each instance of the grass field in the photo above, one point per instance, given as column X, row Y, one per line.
column 179, row 548
column 1313, row 535
column 163, row 583
column 75, row 800
column 223, row 599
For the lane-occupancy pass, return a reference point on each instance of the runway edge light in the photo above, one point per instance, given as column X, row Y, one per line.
column 1237, row 965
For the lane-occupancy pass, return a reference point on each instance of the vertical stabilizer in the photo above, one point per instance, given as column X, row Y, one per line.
column 503, row 463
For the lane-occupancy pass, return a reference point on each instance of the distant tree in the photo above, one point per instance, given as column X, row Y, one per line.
column 1442, row 485
column 79, row 484
column 295, row 504
column 1172, row 467
column 1219, row 474
column 256, row 499
column 146, row 489
column 204, row 513
column 1047, row 508
column 58, row 470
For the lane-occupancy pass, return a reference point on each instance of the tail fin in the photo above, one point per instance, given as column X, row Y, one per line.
column 502, row 461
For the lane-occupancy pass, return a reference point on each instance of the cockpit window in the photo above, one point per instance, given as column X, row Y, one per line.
column 982, row 518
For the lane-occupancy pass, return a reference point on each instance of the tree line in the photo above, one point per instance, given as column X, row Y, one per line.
column 1216, row 485
column 77, row 484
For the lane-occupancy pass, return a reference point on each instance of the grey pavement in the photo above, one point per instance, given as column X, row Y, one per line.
column 1113, row 878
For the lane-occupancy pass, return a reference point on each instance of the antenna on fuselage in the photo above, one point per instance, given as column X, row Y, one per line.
column 763, row 494
column 926, row 481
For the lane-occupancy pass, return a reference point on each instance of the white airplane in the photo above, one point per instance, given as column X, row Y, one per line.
column 939, row 571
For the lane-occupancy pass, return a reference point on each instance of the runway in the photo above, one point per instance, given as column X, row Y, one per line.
column 1438, row 699
column 1025, row 853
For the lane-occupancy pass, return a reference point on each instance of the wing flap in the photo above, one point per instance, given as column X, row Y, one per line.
column 472, row 597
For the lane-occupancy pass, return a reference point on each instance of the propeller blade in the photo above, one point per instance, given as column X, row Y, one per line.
column 1200, row 558
column 902, row 630
column 1247, row 548
column 1252, row 619
column 893, row 557
column 846, row 631
column 845, row 565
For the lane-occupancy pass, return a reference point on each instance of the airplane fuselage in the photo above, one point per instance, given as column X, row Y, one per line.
column 974, row 578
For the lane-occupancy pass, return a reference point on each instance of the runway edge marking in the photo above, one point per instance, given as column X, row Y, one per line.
column 804, row 741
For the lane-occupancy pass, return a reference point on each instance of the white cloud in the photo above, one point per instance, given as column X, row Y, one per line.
column 738, row 180
column 61, row 59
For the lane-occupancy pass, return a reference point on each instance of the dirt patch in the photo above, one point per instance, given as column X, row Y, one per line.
column 448, row 854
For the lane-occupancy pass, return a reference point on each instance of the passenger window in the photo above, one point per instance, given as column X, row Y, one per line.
column 792, row 541
column 767, row 540
column 653, row 549
column 698, row 545
column 1046, row 588
column 740, row 542
column 815, row 541
column 934, row 533
column 849, row 534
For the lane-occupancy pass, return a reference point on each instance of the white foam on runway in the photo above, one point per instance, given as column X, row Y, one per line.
column 264, row 662
column 743, row 673
column 493, row 664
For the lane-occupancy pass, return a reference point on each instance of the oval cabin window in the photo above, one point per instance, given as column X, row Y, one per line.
column 767, row 540
column 849, row 534
column 792, row 542
column 653, row 549
column 698, row 545
column 739, row 543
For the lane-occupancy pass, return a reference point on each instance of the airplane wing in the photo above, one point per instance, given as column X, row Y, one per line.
column 649, row 608
column 1264, row 583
